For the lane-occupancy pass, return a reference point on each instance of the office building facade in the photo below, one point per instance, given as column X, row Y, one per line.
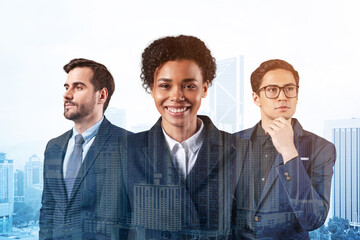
column 6, row 193
column 345, row 134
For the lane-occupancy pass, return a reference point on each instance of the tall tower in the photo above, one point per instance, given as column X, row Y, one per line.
column 33, row 177
column 226, row 96
column 19, row 184
column 345, row 134
column 6, row 193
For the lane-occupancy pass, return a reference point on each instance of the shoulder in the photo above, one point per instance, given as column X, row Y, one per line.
column 246, row 134
column 138, row 140
column 60, row 140
column 309, row 137
column 119, row 131
column 316, row 140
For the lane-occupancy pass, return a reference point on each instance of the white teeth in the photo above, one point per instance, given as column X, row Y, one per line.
column 177, row 110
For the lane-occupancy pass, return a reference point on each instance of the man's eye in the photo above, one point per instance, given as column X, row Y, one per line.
column 290, row 89
column 272, row 89
column 79, row 88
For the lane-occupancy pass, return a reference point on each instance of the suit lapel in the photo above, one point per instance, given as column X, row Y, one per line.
column 159, row 158
column 208, row 159
column 63, row 145
column 101, row 138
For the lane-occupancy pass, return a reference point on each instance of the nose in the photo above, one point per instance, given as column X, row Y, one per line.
column 282, row 96
column 68, row 94
column 176, row 94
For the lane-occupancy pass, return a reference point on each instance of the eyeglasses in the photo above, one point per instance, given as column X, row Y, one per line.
column 273, row 91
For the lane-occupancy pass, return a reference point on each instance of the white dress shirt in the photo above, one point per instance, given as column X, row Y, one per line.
column 88, row 135
column 184, row 154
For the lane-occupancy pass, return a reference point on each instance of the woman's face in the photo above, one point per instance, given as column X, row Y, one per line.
column 177, row 91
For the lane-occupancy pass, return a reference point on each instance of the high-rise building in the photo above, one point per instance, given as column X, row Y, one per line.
column 6, row 193
column 33, row 177
column 226, row 96
column 345, row 134
column 19, row 184
column 153, row 202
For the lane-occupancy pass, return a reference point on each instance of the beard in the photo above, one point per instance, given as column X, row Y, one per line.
column 82, row 111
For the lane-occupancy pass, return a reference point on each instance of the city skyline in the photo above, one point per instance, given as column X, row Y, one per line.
column 318, row 37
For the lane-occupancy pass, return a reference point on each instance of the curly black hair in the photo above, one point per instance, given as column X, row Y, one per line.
column 176, row 48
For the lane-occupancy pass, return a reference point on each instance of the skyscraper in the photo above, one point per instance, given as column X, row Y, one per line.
column 6, row 193
column 33, row 177
column 345, row 134
column 19, row 184
column 226, row 95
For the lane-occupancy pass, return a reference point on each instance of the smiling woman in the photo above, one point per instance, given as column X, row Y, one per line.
column 188, row 165
column 177, row 91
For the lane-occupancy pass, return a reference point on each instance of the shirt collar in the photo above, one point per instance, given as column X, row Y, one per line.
column 194, row 142
column 260, row 134
column 89, row 133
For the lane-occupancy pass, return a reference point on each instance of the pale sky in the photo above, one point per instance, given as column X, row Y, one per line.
column 321, row 39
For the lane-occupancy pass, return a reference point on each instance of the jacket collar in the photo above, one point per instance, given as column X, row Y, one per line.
column 158, row 154
column 101, row 138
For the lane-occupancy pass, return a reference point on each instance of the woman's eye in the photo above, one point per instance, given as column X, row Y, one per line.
column 190, row 86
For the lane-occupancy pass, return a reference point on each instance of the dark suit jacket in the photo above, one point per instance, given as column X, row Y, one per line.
column 163, row 204
column 296, row 195
column 95, row 204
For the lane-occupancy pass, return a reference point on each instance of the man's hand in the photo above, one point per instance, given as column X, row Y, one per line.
column 282, row 136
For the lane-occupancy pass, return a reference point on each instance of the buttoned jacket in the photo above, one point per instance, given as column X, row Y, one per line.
column 164, row 205
column 296, row 195
column 95, row 204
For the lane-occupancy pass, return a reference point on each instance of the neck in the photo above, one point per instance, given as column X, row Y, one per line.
column 83, row 124
column 181, row 133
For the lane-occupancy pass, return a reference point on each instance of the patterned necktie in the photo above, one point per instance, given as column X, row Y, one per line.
column 74, row 164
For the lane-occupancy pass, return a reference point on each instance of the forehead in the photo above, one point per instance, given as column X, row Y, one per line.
column 179, row 69
column 80, row 74
column 278, row 77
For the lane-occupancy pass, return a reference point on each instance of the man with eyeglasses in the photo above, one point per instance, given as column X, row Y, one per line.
column 284, row 190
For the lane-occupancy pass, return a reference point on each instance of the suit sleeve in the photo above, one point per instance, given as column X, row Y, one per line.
column 47, row 205
column 308, row 189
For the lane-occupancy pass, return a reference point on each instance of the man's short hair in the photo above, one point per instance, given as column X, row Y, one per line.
column 258, row 74
column 176, row 48
column 102, row 78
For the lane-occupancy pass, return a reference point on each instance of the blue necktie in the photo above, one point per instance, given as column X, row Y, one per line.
column 74, row 164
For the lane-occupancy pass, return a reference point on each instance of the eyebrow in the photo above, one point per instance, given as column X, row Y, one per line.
column 186, row 80
column 287, row 84
column 75, row 84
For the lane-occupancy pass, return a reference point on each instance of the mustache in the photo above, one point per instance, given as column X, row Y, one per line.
column 69, row 102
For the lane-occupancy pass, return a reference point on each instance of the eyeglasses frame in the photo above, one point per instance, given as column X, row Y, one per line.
column 281, row 89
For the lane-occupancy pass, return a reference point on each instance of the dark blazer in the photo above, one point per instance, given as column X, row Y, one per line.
column 95, row 204
column 296, row 195
column 163, row 204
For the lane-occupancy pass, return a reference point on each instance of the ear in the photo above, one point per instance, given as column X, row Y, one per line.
column 205, row 87
column 103, row 94
column 256, row 99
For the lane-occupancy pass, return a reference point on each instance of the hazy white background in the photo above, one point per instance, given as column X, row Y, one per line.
column 320, row 38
